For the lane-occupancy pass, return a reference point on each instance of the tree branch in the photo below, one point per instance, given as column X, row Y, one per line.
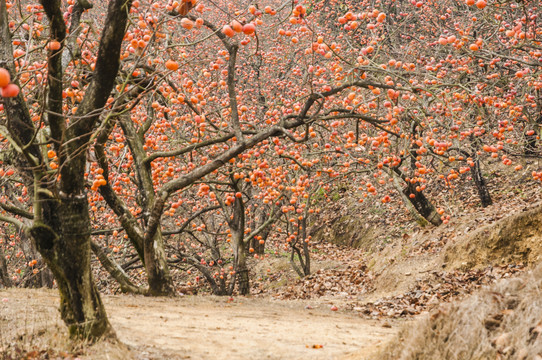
column 116, row 271
column 55, row 74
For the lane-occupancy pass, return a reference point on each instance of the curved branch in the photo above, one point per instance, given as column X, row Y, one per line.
column 16, row 210
column 187, row 149
column 190, row 219
column 116, row 271
column 18, row 224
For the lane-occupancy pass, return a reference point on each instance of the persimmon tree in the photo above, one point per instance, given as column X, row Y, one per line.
column 217, row 246
column 128, row 130
column 52, row 139
column 465, row 61
column 213, row 120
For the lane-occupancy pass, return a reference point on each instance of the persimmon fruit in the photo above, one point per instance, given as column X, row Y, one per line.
column 53, row 45
column 11, row 90
column 228, row 31
column 172, row 65
column 4, row 78
column 249, row 29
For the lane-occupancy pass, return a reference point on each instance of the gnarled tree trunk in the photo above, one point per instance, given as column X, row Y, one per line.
column 61, row 222
column 159, row 278
column 243, row 281
column 64, row 242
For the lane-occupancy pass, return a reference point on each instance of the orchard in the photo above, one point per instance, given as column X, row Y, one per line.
column 187, row 136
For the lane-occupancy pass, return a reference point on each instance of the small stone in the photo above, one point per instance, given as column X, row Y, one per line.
column 522, row 354
column 502, row 341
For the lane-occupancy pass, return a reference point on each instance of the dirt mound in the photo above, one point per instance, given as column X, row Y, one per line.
column 476, row 241
column 501, row 322
column 514, row 239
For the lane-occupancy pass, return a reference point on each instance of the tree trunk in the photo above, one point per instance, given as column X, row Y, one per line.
column 65, row 246
column 256, row 245
column 4, row 276
column 422, row 205
column 481, row 184
column 307, row 264
column 406, row 201
column 304, row 260
column 263, row 221
column 417, row 199
column 154, row 255
column 530, row 147
column 44, row 278
column 243, row 280
column 47, row 278
column 61, row 224
column 159, row 278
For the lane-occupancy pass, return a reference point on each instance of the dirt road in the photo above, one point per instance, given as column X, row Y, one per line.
column 205, row 327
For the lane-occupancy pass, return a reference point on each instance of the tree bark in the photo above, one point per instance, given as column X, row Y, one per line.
column 259, row 248
column 151, row 251
column 65, row 246
column 155, row 259
column 530, row 145
column 419, row 206
column 44, row 278
column 256, row 245
column 243, row 281
column 424, row 207
column 4, row 276
column 61, row 223
column 160, row 281
column 531, row 148
column 411, row 209
column 481, row 184
column 240, row 258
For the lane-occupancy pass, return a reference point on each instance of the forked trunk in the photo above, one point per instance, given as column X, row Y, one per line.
column 65, row 245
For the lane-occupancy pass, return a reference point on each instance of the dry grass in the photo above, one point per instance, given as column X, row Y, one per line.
column 502, row 322
column 30, row 328
column 513, row 239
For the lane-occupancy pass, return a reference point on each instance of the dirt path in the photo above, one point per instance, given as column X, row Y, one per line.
column 208, row 327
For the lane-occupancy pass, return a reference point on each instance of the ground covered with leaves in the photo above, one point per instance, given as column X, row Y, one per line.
column 381, row 270
column 500, row 322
